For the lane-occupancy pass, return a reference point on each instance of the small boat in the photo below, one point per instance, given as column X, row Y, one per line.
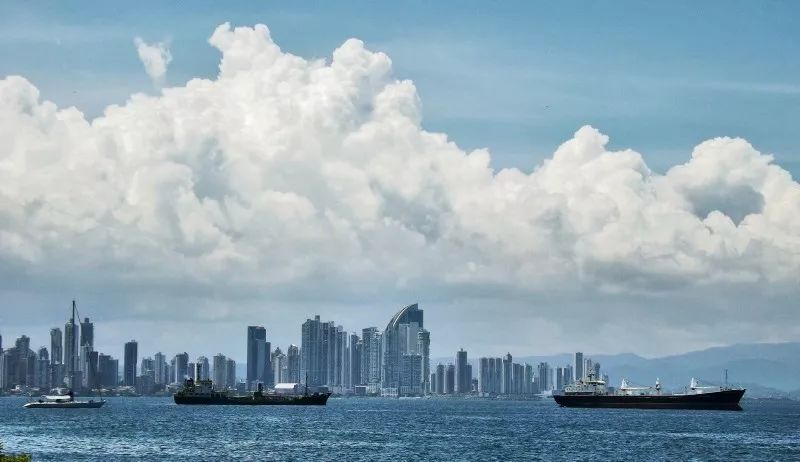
column 63, row 402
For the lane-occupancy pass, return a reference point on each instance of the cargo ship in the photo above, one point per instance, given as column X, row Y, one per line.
column 591, row 392
column 203, row 392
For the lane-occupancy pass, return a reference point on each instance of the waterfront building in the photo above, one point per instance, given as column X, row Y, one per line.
column 507, row 385
column 450, row 379
column 91, row 373
column 440, row 379
column 56, row 346
column 411, row 375
column 424, row 348
column 87, row 333
column 17, row 365
column 588, row 367
column 355, row 352
column 529, row 375
column 578, row 367
column 181, row 367
column 71, row 353
column 204, row 368
column 256, row 355
column 463, row 381
column 293, row 364
column 279, row 368
column 160, row 369
column 107, row 371
column 191, row 368
column 400, row 338
column 597, row 370
column 230, row 373
column 42, row 370
column 129, row 363
column 371, row 358
column 311, row 353
column 544, row 377
column 220, row 369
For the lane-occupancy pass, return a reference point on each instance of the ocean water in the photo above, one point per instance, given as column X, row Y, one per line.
column 155, row 429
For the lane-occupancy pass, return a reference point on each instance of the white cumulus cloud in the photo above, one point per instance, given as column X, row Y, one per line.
column 155, row 58
column 287, row 177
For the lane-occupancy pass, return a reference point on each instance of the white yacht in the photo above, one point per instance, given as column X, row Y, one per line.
column 63, row 402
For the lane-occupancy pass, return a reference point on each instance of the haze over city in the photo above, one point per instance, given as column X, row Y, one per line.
column 536, row 188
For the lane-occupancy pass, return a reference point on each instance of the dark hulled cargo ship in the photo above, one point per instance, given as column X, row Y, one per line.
column 594, row 393
column 202, row 393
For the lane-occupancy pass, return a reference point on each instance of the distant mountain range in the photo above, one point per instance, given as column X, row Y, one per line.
column 765, row 369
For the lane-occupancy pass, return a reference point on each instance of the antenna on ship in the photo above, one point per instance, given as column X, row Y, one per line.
column 726, row 377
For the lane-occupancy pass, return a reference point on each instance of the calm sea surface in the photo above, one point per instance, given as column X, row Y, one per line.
column 149, row 429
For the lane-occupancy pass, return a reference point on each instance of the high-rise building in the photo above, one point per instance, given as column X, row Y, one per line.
column 450, row 379
column 356, row 347
column 463, row 382
column 507, row 385
column 87, row 333
column 324, row 354
column 107, row 371
column 71, row 351
column 129, row 364
column 529, row 375
column 440, row 379
column 204, row 368
column 56, row 346
column 544, row 377
column 192, row 371
column 230, row 373
column 220, row 369
column 424, row 347
column 400, row 338
column 578, row 367
column 256, row 355
column 293, row 364
column 279, row 368
column 42, row 371
column 92, row 373
column 148, row 367
column 371, row 357
column 181, row 367
column 160, row 369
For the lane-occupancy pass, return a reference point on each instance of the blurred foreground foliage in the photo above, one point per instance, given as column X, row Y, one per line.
column 9, row 457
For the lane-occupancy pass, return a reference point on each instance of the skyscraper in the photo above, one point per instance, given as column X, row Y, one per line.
column 87, row 333
column 355, row 349
column 205, row 368
column 129, row 364
column 578, row 367
column 293, row 364
column 424, row 346
column 56, row 346
column 312, row 353
column 449, row 379
column 463, row 382
column 230, row 373
column 279, row 370
column 256, row 355
column 544, row 377
column 440, row 379
column 396, row 343
column 181, row 370
column 507, row 385
column 160, row 366
column 220, row 369
column 71, row 351
column 371, row 357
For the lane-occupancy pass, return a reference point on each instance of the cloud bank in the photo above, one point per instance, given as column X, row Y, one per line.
column 155, row 58
column 293, row 178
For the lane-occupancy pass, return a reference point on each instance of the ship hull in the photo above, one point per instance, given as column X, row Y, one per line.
column 266, row 400
column 68, row 405
column 727, row 400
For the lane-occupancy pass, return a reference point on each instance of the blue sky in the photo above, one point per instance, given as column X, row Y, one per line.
column 515, row 77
